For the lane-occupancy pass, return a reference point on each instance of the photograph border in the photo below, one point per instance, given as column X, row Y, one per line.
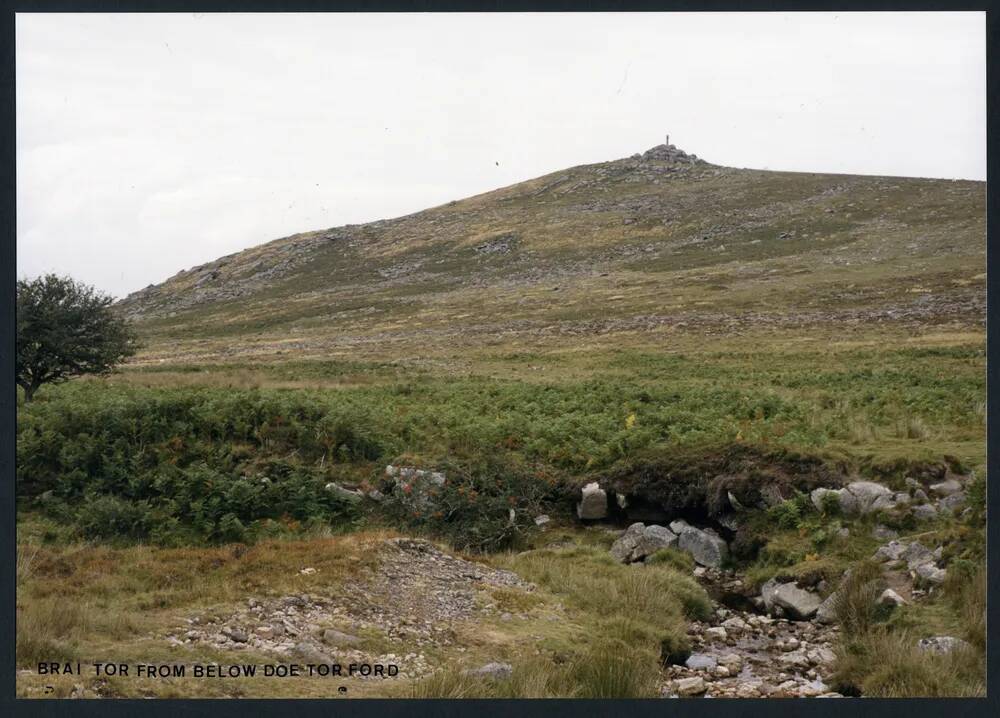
column 551, row 708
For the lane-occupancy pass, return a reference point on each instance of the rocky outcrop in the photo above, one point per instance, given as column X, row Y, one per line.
column 859, row 498
column 919, row 560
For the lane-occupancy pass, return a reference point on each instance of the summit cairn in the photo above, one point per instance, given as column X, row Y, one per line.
column 667, row 152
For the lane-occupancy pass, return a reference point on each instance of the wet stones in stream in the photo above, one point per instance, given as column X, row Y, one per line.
column 740, row 654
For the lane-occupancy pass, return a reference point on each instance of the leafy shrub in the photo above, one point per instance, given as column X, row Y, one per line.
column 786, row 515
column 113, row 517
column 487, row 506
column 830, row 504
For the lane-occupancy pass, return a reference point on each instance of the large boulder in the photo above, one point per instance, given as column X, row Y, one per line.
column 639, row 541
column 798, row 604
column 653, row 539
column 845, row 500
column 593, row 503
column 623, row 548
column 767, row 593
column 706, row 548
column 870, row 496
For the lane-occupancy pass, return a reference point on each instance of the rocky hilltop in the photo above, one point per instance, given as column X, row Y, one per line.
column 661, row 240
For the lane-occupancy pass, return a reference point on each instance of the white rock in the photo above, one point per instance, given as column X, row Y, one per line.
column 494, row 671
column 891, row 598
column 717, row 633
column 735, row 624
column 593, row 502
column 732, row 661
column 941, row 644
column 946, row 488
column 701, row 662
column 693, row 686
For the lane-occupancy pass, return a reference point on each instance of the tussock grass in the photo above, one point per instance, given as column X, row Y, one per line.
column 26, row 555
column 878, row 653
column 968, row 596
column 644, row 609
column 606, row 670
column 886, row 664
column 52, row 629
column 855, row 604
column 674, row 558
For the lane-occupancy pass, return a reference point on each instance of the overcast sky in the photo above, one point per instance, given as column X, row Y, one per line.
column 147, row 144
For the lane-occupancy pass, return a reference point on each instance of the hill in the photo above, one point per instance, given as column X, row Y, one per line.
column 653, row 243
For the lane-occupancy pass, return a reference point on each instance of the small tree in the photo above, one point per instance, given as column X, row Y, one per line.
column 65, row 329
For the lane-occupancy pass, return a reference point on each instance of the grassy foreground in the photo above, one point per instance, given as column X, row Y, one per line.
column 143, row 499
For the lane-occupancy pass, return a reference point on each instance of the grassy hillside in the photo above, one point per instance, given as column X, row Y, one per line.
column 651, row 247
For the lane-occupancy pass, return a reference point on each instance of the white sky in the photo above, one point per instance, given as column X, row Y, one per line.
column 151, row 143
